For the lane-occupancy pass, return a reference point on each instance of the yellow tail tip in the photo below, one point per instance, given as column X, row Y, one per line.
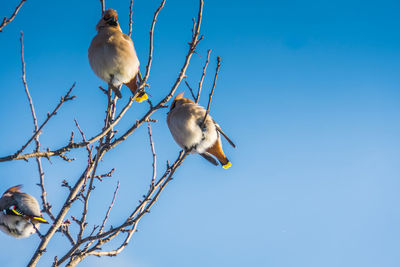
column 40, row 219
column 226, row 166
column 141, row 98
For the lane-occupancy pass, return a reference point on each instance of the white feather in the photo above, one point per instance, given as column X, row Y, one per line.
column 113, row 58
column 184, row 123
column 16, row 226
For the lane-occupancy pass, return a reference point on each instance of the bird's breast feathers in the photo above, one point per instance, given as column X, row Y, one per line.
column 113, row 58
column 16, row 226
column 184, row 123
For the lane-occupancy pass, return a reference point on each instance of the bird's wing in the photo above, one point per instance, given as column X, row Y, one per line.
column 6, row 202
column 27, row 205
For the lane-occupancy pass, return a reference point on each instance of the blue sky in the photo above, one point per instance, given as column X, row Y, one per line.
column 308, row 90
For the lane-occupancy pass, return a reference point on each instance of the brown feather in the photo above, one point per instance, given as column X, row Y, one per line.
column 132, row 85
column 216, row 150
column 15, row 189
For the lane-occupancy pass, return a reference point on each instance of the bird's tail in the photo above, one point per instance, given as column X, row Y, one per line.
column 132, row 85
column 40, row 219
column 217, row 151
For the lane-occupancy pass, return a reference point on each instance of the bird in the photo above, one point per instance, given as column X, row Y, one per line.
column 186, row 123
column 19, row 212
column 112, row 56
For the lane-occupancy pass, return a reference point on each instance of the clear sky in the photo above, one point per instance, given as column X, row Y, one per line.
column 308, row 90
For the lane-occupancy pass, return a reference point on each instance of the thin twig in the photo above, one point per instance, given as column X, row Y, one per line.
column 148, row 66
column 154, row 156
column 190, row 90
column 64, row 99
column 212, row 91
column 6, row 21
column 144, row 207
column 83, row 139
column 109, row 209
column 45, row 204
column 71, row 145
column 60, row 217
column 130, row 18
column 202, row 77
column 103, row 7
column 26, row 85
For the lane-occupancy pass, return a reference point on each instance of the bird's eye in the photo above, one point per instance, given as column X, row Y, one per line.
column 106, row 18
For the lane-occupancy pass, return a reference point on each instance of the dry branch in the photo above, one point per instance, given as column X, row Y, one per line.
column 202, row 76
column 212, row 90
column 130, row 18
column 150, row 58
column 7, row 21
column 46, row 206
column 153, row 152
column 17, row 155
column 103, row 7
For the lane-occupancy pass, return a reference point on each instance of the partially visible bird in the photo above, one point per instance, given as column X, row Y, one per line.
column 18, row 211
column 112, row 56
column 186, row 123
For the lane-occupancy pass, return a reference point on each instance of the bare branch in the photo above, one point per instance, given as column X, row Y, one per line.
column 26, row 85
column 108, row 174
column 60, row 217
column 64, row 229
column 154, row 156
column 45, row 204
column 109, row 209
column 84, row 140
column 143, row 208
column 6, row 21
column 148, row 66
column 191, row 90
column 212, row 90
column 71, row 145
column 130, row 18
column 202, row 77
column 103, row 7
column 17, row 155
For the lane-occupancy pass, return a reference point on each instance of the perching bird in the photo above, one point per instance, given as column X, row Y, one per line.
column 112, row 56
column 185, row 121
column 18, row 211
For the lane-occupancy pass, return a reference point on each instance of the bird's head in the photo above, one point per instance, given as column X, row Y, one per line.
column 109, row 19
column 180, row 100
